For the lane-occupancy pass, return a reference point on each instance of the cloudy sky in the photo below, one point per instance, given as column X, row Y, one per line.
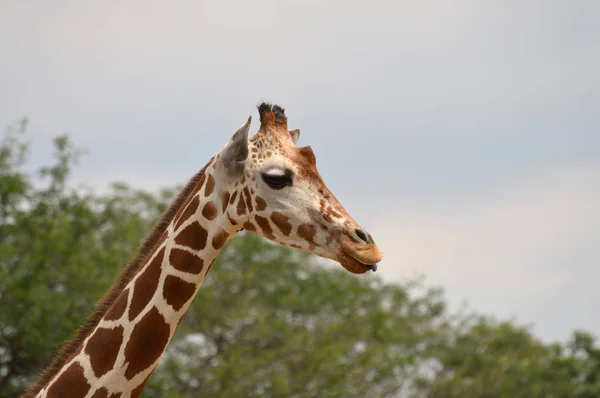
column 464, row 135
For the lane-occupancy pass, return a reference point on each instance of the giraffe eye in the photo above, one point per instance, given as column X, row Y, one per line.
column 278, row 181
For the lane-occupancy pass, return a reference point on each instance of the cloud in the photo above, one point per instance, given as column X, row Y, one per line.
column 456, row 60
column 519, row 252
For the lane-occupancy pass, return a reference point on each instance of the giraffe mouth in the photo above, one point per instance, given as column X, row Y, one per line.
column 356, row 266
column 358, row 258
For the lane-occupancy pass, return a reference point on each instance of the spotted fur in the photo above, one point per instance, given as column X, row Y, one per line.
column 115, row 353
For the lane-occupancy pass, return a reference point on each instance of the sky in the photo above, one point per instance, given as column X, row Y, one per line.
column 463, row 135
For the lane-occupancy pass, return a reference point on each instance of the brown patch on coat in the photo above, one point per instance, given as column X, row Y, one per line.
column 189, row 211
column 193, row 236
column 210, row 211
column 264, row 225
column 224, row 200
column 248, row 226
column 248, row 199
column 147, row 343
column 210, row 185
column 184, row 261
column 117, row 310
column 103, row 348
column 241, row 206
column 261, row 204
column 177, row 292
column 101, row 393
column 307, row 232
column 72, row 383
column 145, row 286
column 233, row 196
column 219, row 239
column 282, row 221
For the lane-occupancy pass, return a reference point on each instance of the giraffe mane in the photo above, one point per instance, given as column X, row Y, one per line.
column 69, row 348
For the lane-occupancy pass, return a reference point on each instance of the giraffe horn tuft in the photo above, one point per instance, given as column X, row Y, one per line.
column 271, row 116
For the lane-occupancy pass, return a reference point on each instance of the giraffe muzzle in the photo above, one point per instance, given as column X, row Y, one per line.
column 358, row 256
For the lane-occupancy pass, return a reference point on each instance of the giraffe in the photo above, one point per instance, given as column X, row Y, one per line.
column 265, row 184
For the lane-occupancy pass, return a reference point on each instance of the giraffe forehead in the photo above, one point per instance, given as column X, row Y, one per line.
column 269, row 154
column 273, row 155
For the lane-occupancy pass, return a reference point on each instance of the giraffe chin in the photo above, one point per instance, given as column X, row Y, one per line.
column 358, row 258
column 353, row 265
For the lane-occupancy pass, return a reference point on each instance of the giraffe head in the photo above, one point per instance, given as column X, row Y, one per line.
column 275, row 189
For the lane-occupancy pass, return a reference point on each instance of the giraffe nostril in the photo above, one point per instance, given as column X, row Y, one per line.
column 361, row 235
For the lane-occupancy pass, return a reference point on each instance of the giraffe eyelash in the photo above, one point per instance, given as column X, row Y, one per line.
column 278, row 181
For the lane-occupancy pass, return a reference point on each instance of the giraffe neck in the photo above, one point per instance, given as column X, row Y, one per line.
column 118, row 356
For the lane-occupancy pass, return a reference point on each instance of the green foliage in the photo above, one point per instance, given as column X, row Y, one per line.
column 488, row 359
column 269, row 321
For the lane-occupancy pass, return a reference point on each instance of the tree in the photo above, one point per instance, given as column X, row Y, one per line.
column 485, row 358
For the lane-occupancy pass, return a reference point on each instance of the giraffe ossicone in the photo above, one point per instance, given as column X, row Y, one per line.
column 264, row 184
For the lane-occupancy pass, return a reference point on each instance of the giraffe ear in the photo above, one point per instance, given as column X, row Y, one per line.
column 235, row 153
column 295, row 135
